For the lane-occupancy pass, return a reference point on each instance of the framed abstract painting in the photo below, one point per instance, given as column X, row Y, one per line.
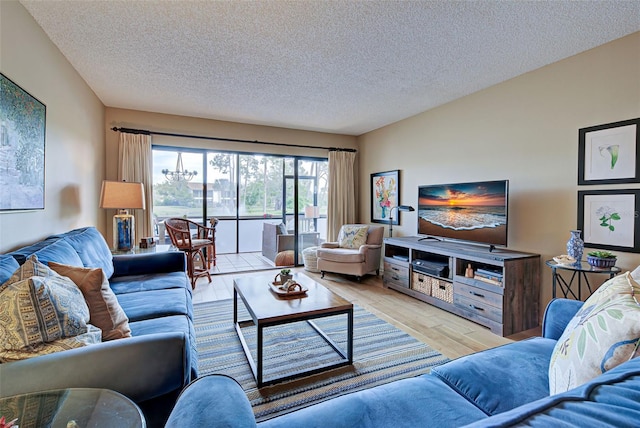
column 22, row 144
column 385, row 194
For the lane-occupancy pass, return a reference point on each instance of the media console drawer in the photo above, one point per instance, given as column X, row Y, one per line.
column 396, row 273
column 478, row 294
column 478, row 307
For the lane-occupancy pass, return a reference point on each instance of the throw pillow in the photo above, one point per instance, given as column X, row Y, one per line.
column 104, row 308
column 43, row 310
column 353, row 236
column 603, row 334
column 282, row 229
column 32, row 267
column 8, row 265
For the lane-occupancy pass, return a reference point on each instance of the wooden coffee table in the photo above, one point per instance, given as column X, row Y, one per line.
column 267, row 310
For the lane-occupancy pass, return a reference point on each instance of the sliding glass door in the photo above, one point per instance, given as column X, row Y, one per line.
column 178, row 189
column 306, row 189
column 222, row 199
column 243, row 191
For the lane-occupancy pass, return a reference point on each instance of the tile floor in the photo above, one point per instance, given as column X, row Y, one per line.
column 228, row 267
column 243, row 262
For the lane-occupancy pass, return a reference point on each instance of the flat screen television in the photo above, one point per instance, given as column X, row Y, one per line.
column 475, row 212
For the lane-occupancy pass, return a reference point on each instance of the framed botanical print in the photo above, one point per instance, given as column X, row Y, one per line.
column 609, row 153
column 385, row 194
column 609, row 219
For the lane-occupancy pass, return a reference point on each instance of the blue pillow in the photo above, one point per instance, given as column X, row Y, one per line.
column 8, row 265
column 61, row 252
column 92, row 249
column 282, row 229
column 22, row 254
column 480, row 378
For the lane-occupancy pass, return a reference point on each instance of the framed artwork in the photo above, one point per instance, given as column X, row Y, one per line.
column 22, row 135
column 385, row 194
column 609, row 219
column 610, row 153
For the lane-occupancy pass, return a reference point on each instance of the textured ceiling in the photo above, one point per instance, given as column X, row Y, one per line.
column 334, row 66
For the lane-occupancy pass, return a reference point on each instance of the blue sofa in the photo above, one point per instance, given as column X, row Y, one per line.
column 153, row 365
column 500, row 387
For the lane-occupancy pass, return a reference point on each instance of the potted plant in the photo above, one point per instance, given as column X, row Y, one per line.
column 601, row 259
column 285, row 274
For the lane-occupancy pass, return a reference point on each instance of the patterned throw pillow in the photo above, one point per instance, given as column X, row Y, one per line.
column 353, row 236
column 603, row 334
column 43, row 315
column 104, row 308
column 32, row 267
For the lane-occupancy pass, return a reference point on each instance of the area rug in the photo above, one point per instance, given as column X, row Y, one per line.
column 381, row 353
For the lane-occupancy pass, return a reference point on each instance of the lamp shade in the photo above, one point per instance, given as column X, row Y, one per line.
column 311, row 211
column 122, row 195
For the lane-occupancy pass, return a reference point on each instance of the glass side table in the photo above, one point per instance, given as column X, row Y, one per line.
column 159, row 248
column 72, row 408
column 578, row 271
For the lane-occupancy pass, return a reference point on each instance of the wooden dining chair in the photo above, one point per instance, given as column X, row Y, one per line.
column 179, row 230
column 210, row 234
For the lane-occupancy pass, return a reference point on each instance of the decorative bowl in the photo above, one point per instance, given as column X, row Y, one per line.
column 600, row 263
column 564, row 260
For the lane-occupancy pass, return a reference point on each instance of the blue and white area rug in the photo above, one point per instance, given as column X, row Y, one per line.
column 381, row 353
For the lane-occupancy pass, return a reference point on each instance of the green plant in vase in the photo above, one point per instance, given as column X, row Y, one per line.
column 601, row 259
column 285, row 274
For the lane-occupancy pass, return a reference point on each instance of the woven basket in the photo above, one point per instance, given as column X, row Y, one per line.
column 421, row 283
column 442, row 290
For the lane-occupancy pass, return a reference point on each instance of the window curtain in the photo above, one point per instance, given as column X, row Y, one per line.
column 342, row 196
column 135, row 165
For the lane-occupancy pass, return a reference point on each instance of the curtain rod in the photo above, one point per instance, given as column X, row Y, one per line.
column 233, row 140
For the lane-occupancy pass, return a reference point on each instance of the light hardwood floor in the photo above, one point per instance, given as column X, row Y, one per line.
column 449, row 334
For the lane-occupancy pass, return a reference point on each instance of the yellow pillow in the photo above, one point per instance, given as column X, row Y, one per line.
column 353, row 236
column 603, row 334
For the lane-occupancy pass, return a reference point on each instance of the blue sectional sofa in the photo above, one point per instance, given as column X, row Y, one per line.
column 500, row 387
column 153, row 365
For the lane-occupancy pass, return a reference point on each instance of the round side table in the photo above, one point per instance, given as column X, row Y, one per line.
column 578, row 271
column 73, row 407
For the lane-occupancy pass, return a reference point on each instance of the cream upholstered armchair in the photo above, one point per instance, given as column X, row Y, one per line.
column 357, row 251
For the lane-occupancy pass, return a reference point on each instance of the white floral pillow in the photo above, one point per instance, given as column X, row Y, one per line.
column 603, row 334
column 353, row 236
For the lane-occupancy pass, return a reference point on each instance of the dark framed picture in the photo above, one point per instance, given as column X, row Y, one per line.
column 22, row 135
column 609, row 153
column 609, row 219
column 385, row 194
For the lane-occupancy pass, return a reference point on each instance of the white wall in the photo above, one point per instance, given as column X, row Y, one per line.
column 74, row 151
column 524, row 130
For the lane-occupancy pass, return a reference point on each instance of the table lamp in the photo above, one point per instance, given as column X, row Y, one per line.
column 311, row 212
column 122, row 196
column 398, row 208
